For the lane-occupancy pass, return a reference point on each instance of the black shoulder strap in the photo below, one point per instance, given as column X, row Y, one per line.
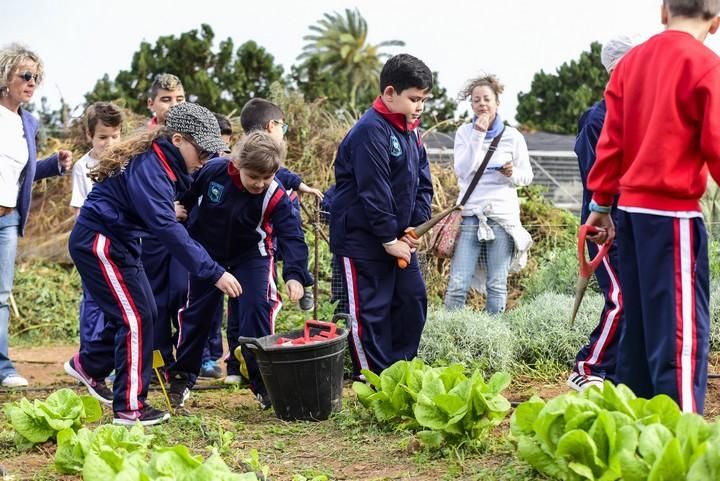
column 481, row 169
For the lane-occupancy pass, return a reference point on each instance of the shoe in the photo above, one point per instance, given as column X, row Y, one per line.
column 264, row 400
column 14, row 380
column 147, row 416
column 211, row 369
column 178, row 392
column 307, row 301
column 96, row 388
column 581, row 382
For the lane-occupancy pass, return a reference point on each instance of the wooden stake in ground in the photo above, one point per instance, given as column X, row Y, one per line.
column 13, row 304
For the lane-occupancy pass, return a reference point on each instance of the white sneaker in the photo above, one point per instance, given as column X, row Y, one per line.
column 233, row 379
column 14, row 380
column 581, row 382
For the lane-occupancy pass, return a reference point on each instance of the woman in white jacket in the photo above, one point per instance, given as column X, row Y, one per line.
column 491, row 237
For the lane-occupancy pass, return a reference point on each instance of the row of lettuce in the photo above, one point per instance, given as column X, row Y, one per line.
column 108, row 451
column 602, row 434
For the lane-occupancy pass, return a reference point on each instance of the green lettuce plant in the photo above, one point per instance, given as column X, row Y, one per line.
column 442, row 403
column 38, row 421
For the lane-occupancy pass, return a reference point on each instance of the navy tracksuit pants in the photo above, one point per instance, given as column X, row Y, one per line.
column 169, row 283
column 387, row 308
column 113, row 275
column 214, row 346
column 252, row 314
column 664, row 341
column 598, row 357
column 92, row 321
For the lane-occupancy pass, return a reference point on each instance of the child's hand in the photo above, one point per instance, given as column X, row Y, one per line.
column 399, row 249
column 294, row 289
column 507, row 169
column 180, row 212
column 229, row 285
column 306, row 189
column 411, row 241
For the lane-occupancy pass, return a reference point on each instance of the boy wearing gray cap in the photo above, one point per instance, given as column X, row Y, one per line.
column 136, row 184
column 596, row 360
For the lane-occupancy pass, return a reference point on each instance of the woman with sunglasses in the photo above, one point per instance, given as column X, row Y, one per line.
column 20, row 73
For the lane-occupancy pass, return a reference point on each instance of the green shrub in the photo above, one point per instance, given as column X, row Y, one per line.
column 542, row 331
column 557, row 272
column 469, row 337
column 48, row 300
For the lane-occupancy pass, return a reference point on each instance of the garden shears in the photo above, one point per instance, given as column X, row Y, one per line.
column 586, row 267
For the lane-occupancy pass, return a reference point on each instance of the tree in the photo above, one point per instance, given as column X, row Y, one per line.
column 338, row 53
column 221, row 81
column 555, row 102
column 440, row 109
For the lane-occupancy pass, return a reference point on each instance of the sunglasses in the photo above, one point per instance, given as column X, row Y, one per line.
column 283, row 125
column 26, row 76
column 203, row 155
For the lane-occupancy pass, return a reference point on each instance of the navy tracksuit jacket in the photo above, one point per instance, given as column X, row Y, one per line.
column 214, row 348
column 105, row 245
column 383, row 186
column 238, row 229
column 599, row 356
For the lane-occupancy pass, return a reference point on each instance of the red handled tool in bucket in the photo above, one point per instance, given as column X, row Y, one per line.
column 586, row 268
column 327, row 332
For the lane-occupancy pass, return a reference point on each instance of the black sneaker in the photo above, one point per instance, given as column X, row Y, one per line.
column 147, row 416
column 264, row 400
column 307, row 301
column 96, row 387
column 178, row 392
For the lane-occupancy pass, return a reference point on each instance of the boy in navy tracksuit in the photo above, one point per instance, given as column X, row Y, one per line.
column 243, row 209
column 660, row 138
column 596, row 360
column 383, row 186
column 136, row 184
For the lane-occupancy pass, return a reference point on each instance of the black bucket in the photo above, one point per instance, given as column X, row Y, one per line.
column 304, row 382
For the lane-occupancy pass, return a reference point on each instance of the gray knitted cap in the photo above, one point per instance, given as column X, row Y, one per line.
column 199, row 123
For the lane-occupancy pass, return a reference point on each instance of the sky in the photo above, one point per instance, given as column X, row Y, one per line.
column 81, row 40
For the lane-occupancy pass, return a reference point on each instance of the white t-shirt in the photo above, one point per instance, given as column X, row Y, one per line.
column 14, row 156
column 81, row 183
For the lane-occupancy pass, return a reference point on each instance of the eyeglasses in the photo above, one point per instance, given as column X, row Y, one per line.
column 26, row 76
column 283, row 125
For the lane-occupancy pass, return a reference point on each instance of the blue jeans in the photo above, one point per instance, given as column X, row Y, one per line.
column 495, row 255
column 8, row 248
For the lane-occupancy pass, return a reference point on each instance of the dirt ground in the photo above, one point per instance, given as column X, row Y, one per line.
column 343, row 448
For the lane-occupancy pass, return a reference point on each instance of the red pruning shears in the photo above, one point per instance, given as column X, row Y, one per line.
column 586, row 268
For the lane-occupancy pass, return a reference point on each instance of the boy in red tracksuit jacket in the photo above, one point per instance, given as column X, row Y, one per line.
column 383, row 186
column 661, row 135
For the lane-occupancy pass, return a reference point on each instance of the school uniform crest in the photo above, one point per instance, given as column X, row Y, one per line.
column 395, row 149
column 215, row 192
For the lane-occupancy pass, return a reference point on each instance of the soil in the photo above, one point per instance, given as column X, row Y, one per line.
column 343, row 448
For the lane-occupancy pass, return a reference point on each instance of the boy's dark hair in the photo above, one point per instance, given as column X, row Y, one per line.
column 106, row 112
column 165, row 81
column 404, row 71
column 224, row 123
column 706, row 9
column 256, row 114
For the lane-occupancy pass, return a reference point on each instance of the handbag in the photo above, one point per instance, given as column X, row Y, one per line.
column 444, row 236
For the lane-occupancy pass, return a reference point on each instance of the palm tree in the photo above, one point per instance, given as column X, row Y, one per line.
column 340, row 44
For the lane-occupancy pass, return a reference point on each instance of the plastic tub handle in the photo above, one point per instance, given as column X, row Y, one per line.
column 250, row 342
